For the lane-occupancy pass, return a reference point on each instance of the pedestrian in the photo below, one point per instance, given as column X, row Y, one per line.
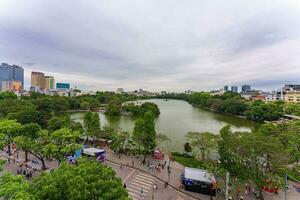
column 155, row 186
column 132, row 163
column 166, row 184
column 124, row 185
column 142, row 191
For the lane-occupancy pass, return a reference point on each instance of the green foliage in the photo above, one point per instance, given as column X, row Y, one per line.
column 14, row 187
column 113, row 109
column 91, row 124
column 87, row 180
column 228, row 103
column 293, row 109
column 140, row 110
column 149, row 133
column 58, row 122
column 119, row 140
column 260, row 111
column 61, row 143
column 85, row 105
column 8, row 130
column 253, row 157
column 205, row 142
column 190, row 161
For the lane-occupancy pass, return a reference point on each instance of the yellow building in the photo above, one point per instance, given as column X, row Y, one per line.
column 292, row 96
column 49, row 83
column 38, row 80
column 12, row 85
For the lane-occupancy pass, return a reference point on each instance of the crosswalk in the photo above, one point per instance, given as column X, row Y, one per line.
column 140, row 186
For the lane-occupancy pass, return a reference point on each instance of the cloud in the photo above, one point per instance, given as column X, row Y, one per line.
column 174, row 45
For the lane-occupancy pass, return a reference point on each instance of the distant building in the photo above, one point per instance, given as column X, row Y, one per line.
column 62, row 86
column 246, row 88
column 37, row 81
column 271, row 96
column 291, row 87
column 293, row 96
column 11, row 73
column 216, row 92
column 49, row 83
column 234, row 89
column 120, row 90
column 250, row 94
column 226, row 88
column 13, row 85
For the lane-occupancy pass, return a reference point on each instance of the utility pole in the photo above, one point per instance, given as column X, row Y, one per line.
column 226, row 185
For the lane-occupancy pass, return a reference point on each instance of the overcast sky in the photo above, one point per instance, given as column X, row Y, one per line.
column 156, row 45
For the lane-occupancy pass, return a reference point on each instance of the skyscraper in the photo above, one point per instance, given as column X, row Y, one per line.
column 226, row 88
column 234, row 89
column 246, row 88
column 49, row 83
column 38, row 80
column 11, row 73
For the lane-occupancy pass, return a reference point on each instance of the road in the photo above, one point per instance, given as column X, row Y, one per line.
column 140, row 185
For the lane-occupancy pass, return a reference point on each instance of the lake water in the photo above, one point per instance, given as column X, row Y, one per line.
column 176, row 118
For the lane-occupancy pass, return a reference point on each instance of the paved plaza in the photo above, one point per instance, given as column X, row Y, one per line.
column 141, row 181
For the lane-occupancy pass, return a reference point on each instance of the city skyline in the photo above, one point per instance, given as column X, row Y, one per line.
column 154, row 45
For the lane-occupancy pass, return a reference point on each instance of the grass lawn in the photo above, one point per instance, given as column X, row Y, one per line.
column 190, row 161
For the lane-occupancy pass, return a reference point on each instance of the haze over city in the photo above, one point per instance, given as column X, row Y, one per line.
column 155, row 45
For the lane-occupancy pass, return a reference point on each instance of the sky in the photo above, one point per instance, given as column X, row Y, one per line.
column 156, row 45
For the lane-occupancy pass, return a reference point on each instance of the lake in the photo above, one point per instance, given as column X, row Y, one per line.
column 177, row 117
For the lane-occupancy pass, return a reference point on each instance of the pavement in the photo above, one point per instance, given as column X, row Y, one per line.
column 143, row 186
column 141, row 182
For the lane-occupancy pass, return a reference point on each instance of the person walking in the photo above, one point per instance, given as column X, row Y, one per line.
column 142, row 191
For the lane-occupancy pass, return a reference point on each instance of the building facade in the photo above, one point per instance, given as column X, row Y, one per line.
column 62, row 86
column 12, row 85
column 49, row 83
column 226, row 88
column 246, row 88
column 292, row 96
column 11, row 73
column 234, row 89
column 38, row 80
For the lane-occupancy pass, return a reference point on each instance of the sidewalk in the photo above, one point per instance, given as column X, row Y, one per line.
column 162, row 174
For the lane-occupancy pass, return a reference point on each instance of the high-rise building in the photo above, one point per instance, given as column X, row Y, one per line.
column 49, row 83
column 246, row 88
column 234, row 89
column 38, row 80
column 226, row 88
column 11, row 73
column 62, row 86
column 12, row 85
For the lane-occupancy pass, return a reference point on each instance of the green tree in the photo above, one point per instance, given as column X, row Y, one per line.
column 33, row 140
column 138, row 131
column 58, row 122
column 113, row 109
column 253, row 157
column 205, row 142
column 85, row 105
column 61, row 143
column 14, row 187
column 30, row 132
column 149, row 133
column 9, row 129
column 91, row 123
column 87, row 180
